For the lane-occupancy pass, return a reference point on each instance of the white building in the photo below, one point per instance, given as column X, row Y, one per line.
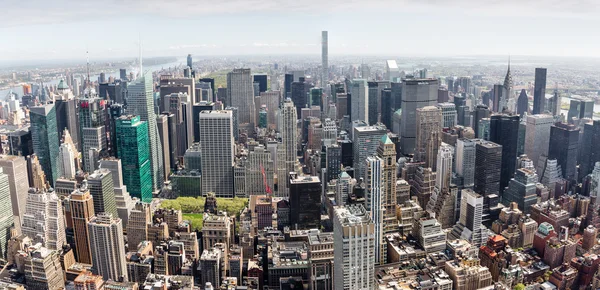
column 465, row 161
column 240, row 91
column 354, row 253
column 43, row 220
column 286, row 156
column 108, row 247
column 216, row 141
column 360, row 100
column 444, row 167
column 66, row 161
column 374, row 204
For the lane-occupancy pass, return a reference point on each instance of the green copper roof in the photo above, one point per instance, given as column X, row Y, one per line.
column 62, row 85
column 386, row 139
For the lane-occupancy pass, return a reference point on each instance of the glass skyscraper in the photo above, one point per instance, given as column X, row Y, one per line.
column 132, row 147
column 44, row 135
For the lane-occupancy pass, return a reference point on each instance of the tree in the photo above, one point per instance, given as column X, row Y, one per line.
column 519, row 286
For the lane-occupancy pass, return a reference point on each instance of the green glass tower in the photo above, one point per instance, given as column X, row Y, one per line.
column 134, row 150
column 45, row 139
column 316, row 97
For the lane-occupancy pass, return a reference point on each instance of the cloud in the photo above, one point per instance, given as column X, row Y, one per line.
column 32, row 12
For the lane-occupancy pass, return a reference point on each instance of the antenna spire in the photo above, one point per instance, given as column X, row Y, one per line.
column 140, row 43
column 87, row 53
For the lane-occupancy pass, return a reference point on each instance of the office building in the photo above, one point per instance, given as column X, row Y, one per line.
column 287, row 151
column 354, row 253
column 7, row 219
column 241, row 93
column 374, row 204
column 429, row 233
column 416, row 93
column 82, row 210
column 504, row 131
column 137, row 226
column 590, row 152
column 564, row 147
column 259, row 171
column 37, row 177
column 444, row 167
column 134, row 152
column 522, row 190
column 92, row 121
column 488, row 164
column 66, row 117
column 365, row 143
column 465, row 161
column 43, row 220
column 305, row 201
column 216, row 141
column 43, row 269
column 15, row 167
column 469, row 225
column 140, row 102
column 210, row 263
column 333, row 161
column 522, row 103
column 448, row 114
column 108, row 247
column 217, row 228
column 428, row 137
column 189, row 61
column 100, row 184
column 480, row 112
column 537, row 136
column 324, row 58
column 122, row 198
column 261, row 79
column 44, row 135
column 66, row 161
column 359, row 100
column 539, row 92
column 392, row 71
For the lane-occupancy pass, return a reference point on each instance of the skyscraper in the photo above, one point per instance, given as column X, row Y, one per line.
column 189, row 61
column 305, row 201
column 15, row 167
column 132, row 148
column 428, row 141
column 354, row 253
column 365, row 144
column 216, row 141
column 465, row 161
column 140, row 102
column 444, row 167
column 564, row 147
column 43, row 269
column 539, row 92
column 508, row 87
column 387, row 152
column 100, row 184
column 241, row 93
column 66, row 161
column 108, row 247
column 7, row 220
column 374, row 204
column 522, row 190
column 590, row 150
column 480, row 112
column 286, row 157
column 469, row 225
column 504, row 130
column 448, row 114
column 92, row 121
column 82, row 210
column 488, row 164
column 43, row 220
column 122, row 198
column 522, row 103
column 537, row 136
column 359, row 101
column 416, row 93
column 44, row 135
column 324, row 58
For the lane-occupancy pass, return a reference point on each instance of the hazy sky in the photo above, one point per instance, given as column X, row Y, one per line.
column 64, row 29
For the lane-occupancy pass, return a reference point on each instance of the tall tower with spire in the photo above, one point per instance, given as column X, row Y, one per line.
column 508, row 89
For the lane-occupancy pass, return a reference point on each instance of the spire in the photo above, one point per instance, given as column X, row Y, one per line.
column 140, row 43
column 87, row 53
column 508, row 82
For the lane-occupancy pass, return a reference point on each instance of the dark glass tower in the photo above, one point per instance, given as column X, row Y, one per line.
column 564, row 145
column 287, row 86
column 44, row 134
column 262, row 82
column 590, row 150
column 488, row 162
column 504, row 130
column 522, row 103
column 481, row 111
column 305, row 202
column 66, row 118
column 189, row 61
column 539, row 91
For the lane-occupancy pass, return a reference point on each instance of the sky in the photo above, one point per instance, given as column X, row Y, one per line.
column 66, row 29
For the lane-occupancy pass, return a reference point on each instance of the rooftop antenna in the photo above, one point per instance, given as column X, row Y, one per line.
column 87, row 54
column 140, row 43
